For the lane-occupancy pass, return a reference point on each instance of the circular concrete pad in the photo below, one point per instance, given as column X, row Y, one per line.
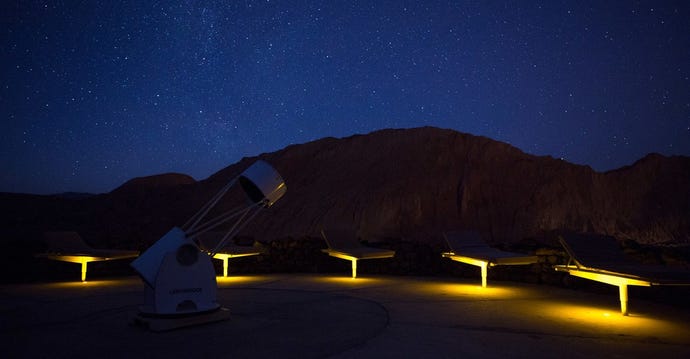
column 263, row 323
column 310, row 316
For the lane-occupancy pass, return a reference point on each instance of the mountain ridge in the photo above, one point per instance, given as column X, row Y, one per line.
column 411, row 183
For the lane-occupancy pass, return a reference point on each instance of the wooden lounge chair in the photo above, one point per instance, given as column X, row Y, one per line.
column 208, row 241
column 344, row 245
column 599, row 258
column 70, row 247
column 468, row 247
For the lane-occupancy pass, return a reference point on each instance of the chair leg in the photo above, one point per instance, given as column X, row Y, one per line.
column 83, row 271
column 484, row 274
column 354, row 268
column 623, row 294
column 225, row 267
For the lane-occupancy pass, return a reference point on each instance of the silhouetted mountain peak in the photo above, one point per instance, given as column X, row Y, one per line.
column 161, row 181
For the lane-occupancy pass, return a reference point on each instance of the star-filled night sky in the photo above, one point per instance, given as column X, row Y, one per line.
column 94, row 93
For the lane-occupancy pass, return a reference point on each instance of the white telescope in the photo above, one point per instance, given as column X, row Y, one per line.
column 179, row 278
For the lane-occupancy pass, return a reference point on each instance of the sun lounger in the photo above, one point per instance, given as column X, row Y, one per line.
column 599, row 258
column 208, row 242
column 70, row 247
column 344, row 245
column 468, row 247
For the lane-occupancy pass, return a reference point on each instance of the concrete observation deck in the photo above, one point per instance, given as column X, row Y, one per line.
column 315, row 316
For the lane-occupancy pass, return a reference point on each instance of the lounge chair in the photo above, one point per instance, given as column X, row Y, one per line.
column 599, row 258
column 344, row 245
column 209, row 240
column 468, row 247
column 70, row 247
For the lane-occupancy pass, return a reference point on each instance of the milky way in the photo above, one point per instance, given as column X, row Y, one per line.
column 97, row 92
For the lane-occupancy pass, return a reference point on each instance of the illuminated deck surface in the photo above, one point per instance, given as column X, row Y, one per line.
column 319, row 316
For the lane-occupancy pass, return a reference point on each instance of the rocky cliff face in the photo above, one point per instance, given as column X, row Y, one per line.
column 420, row 182
column 413, row 183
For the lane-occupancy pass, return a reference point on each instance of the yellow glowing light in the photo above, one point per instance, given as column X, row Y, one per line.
column 470, row 290
column 94, row 284
column 241, row 280
column 592, row 316
column 609, row 278
column 83, row 260
column 346, row 257
column 349, row 281
column 452, row 290
column 225, row 256
column 343, row 255
column 553, row 315
column 483, row 265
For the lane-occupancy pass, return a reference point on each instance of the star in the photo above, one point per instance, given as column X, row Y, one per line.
column 137, row 89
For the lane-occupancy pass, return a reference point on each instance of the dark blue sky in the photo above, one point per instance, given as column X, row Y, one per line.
column 97, row 92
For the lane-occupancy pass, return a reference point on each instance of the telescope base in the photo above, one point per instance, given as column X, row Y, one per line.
column 162, row 323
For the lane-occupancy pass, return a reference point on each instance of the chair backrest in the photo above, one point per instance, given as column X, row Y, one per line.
column 65, row 242
column 593, row 250
column 340, row 238
column 462, row 240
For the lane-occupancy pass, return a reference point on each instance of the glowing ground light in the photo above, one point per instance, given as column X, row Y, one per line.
column 345, row 245
column 106, row 283
column 447, row 290
column 562, row 317
column 352, row 259
column 225, row 256
column 83, row 260
column 592, row 316
column 468, row 290
column 349, row 280
column 241, row 280
column 620, row 281
column 483, row 265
